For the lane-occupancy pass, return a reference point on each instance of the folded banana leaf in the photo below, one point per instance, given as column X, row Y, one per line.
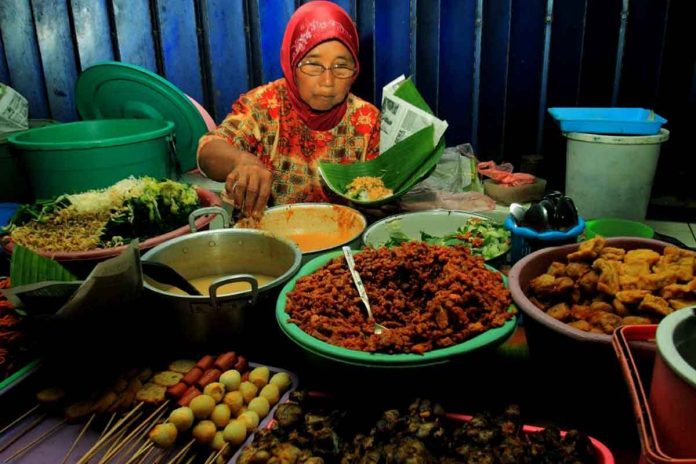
column 400, row 167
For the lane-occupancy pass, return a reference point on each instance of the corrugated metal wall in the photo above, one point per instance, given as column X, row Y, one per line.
column 490, row 67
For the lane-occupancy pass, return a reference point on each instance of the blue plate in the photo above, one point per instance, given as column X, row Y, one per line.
column 630, row 121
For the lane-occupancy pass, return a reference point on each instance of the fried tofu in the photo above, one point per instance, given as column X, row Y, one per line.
column 608, row 282
column 679, row 261
column 606, row 322
column 631, row 296
column 577, row 270
column 588, row 250
column 612, row 253
column 556, row 269
column 655, row 304
column 560, row 312
column 656, row 281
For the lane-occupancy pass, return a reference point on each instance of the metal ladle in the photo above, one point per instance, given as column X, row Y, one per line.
column 377, row 328
column 166, row 274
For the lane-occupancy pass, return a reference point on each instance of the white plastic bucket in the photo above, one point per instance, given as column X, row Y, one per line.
column 612, row 175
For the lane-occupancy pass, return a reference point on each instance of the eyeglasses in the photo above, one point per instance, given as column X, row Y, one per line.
column 339, row 71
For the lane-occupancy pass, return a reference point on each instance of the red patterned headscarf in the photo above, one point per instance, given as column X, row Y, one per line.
column 311, row 24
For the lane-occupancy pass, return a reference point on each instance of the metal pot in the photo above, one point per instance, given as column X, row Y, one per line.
column 235, row 254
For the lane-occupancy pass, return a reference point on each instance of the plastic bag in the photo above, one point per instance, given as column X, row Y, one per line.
column 455, row 172
column 14, row 110
column 454, row 184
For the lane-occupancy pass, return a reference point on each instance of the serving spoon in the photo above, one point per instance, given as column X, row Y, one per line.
column 166, row 274
column 377, row 328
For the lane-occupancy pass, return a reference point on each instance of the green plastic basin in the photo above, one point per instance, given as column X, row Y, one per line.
column 615, row 227
column 79, row 156
column 343, row 356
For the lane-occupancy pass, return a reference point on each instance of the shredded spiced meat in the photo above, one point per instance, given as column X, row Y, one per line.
column 429, row 297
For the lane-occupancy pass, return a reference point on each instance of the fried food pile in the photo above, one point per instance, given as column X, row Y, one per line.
column 429, row 296
column 420, row 434
column 600, row 287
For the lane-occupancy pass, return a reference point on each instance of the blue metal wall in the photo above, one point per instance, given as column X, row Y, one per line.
column 490, row 67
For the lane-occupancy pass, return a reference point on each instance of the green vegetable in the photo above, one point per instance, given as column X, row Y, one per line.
column 482, row 237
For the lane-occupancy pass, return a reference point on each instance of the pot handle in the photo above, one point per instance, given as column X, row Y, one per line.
column 208, row 210
column 212, row 290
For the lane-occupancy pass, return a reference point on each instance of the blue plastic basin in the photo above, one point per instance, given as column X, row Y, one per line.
column 631, row 121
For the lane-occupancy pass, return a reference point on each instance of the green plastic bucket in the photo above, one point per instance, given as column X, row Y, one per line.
column 79, row 156
column 13, row 185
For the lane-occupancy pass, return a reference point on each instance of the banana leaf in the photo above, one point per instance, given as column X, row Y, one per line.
column 27, row 267
column 400, row 167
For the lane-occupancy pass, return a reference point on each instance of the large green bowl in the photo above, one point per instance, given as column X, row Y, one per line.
column 488, row 339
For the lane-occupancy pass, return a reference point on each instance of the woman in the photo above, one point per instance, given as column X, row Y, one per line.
column 271, row 143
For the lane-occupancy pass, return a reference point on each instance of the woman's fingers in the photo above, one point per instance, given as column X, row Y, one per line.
column 265, row 180
column 249, row 187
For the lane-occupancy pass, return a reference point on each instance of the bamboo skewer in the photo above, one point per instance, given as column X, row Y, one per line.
column 143, row 433
column 108, row 424
column 113, row 442
column 144, row 456
column 143, row 450
column 79, row 437
column 23, row 432
column 36, row 441
column 183, row 451
column 19, row 419
column 155, row 415
column 93, row 450
column 218, row 454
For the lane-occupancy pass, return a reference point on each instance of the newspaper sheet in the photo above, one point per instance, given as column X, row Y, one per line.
column 401, row 118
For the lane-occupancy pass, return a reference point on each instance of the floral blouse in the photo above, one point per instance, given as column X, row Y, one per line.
column 263, row 122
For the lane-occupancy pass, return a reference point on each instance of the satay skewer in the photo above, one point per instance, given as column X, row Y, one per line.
column 93, row 450
column 114, row 441
column 36, row 441
column 23, row 432
column 156, row 414
column 181, row 453
column 141, row 437
column 79, row 437
column 108, row 424
column 143, row 450
column 19, row 419
column 217, row 454
column 144, row 456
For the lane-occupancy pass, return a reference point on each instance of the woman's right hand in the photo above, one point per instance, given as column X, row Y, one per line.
column 249, row 186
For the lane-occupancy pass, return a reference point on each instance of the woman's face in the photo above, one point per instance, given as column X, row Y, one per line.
column 325, row 91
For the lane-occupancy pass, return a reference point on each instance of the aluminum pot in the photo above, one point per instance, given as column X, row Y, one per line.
column 336, row 225
column 236, row 254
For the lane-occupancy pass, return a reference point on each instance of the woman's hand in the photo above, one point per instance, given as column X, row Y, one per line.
column 249, row 186
column 247, row 180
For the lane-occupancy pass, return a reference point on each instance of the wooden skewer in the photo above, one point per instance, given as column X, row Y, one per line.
column 113, row 443
column 183, row 451
column 36, row 440
column 144, row 431
column 108, row 424
column 191, row 459
column 23, row 432
column 210, row 456
column 19, row 419
column 144, row 457
column 218, row 454
column 79, row 437
column 144, row 450
column 155, row 414
column 93, row 450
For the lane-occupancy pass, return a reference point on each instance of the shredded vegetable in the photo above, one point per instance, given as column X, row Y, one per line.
column 132, row 208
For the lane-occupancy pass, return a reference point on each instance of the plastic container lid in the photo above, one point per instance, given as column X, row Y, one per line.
column 113, row 90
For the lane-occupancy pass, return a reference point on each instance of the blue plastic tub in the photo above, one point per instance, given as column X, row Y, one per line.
column 631, row 121
column 526, row 240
